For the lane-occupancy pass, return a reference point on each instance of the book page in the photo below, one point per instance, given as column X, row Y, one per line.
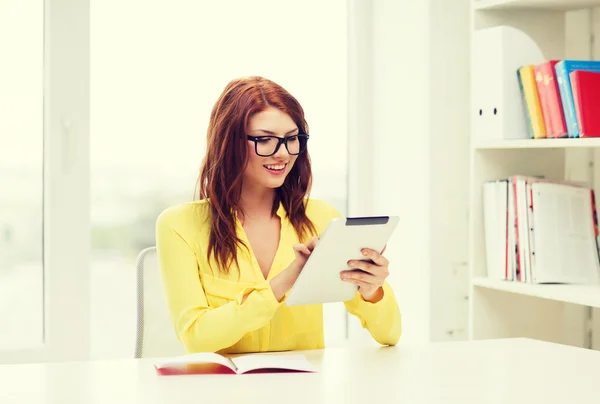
column 202, row 362
column 272, row 362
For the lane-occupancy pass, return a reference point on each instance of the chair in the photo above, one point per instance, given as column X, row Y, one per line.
column 155, row 335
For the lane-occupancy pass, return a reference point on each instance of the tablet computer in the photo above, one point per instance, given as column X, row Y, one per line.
column 342, row 240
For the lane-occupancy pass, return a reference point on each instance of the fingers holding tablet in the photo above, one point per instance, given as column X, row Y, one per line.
column 312, row 243
column 369, row 275
column 306, row 248
column 376, row 257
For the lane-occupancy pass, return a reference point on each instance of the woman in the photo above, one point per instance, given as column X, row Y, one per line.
column 228, row 260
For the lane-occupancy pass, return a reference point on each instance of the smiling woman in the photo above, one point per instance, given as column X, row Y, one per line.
column 151, row 111
column 235, row 178
column 228, row 260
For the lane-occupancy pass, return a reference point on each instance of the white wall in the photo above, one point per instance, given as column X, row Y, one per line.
column 419, row 120
column 449, row 167
column 401, row 129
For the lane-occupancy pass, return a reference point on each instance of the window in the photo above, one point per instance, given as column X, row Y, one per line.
column 156, row 70
column 21, row 173
column 44, row 132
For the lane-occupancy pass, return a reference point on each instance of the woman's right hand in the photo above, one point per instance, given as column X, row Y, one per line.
column 284, row 281
column 303, row 251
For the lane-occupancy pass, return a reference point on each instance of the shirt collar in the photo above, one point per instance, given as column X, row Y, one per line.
column 281, row 211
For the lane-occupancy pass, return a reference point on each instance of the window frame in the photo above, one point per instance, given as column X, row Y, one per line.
column 66, row 227
column 360, row 126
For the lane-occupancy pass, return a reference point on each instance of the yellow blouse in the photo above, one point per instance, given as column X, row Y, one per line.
column 206, row 307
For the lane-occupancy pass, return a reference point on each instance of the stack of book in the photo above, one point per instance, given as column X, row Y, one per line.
column 540, row 231
column 561, row 98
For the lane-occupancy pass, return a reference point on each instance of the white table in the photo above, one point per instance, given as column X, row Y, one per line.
column 495, row 371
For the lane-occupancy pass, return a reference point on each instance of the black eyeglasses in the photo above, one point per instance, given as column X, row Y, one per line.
column 266, row 146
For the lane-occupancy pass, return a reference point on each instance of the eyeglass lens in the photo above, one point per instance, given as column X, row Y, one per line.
column 266, row 146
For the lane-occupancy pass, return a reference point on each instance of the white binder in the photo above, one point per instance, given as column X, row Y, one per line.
column 497, row 103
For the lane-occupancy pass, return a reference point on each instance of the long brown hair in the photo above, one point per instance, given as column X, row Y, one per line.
column 226, row 158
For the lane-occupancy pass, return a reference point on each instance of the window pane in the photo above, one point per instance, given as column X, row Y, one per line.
column 157, row 69
column 21, row 173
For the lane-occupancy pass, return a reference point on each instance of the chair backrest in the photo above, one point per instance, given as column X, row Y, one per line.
column 155, row 332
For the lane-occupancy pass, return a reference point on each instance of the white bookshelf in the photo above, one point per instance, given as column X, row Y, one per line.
column 585, row 295
column 537, row 144
column 537, row 30
column 551, row 5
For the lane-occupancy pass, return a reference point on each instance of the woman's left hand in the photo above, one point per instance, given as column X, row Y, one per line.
column 368, row 276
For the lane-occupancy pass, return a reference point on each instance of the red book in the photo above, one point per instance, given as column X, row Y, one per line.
column 586, row 95
column 549, row 94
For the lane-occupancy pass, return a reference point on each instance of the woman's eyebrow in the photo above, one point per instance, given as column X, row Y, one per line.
column 273, row 133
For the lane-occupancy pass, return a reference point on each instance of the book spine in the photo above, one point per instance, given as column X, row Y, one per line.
column 553, row 101
column 531, row 225
column 533, row 102
column 541, row 83
column 595, row 220
column 564, row 85
column 507, row 265
column 576, row 100
column 594, row 212
column 524, row 101
column 520, row 268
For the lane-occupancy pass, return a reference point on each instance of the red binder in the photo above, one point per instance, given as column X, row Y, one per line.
column 586, row 95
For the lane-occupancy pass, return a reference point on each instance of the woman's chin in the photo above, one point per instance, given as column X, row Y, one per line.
column 274, row 182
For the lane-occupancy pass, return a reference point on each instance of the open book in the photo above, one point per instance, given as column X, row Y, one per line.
column 212, row 363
